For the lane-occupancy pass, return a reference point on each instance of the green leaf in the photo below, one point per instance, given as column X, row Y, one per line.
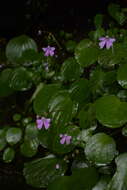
column 13, row 135
column 8, row 155
column 124, row 131
column 70, row 70
column 31, row 131
column 87, row 116
column 41, row 101
column 61, row 108
column 70, row 130
column 116, row 13
column 80, row 91
column 5, row 89
column 98, row 20
column 82, row 179
column 20, row 79
column 16, row 117
column 40, row 172
column 30, row 58
column 2, row 139
column 70, row 45
column 17, row 46
column 29, row 147
column 102, row 183
column 122, row 76
column 110, row 112
column 100, row 149
column 86, row 53
column 117, row 55
column 119, row 180
column 97, row 81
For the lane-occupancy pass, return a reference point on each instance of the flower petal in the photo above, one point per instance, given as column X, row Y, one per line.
column 62, row 141
column 68, row 139
column 102, row 44
column 47, row 123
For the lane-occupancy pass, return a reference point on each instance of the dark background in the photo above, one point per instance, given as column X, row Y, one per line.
column 21, row 16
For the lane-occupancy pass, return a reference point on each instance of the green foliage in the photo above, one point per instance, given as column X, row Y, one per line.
column 65, row 114
column 119, row 180
column 100, row 149
column 17, row 46
column 86, row 53
column 13, row 135
column 8, row 155
column 40, row 172
column 111, row 112
column 84, row 178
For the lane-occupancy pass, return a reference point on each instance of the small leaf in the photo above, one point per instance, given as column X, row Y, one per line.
column 8, row 155
column 5, row 89
column 29, row 147
column 122, row 76
column 13, row 135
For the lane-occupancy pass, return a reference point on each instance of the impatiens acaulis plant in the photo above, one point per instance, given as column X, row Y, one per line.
column 66, row 116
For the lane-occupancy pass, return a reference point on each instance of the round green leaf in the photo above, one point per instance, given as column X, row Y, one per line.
column 20, row 79
column 40, row 172
column 110, row 112
column 13, row 135
column 29, row 147
column 100, row 149
column 5, row 89
column 8, row 155
column 86, row 53
column 43, row 97
column 31, row 131
column 70, row 45
column 122, row 76
column 17, row 46
column 70, row 70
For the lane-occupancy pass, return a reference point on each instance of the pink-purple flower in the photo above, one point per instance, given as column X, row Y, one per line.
column 43, row 122
column 57, row 166
column 49, row 51
column 65, row 139
column 106, row 42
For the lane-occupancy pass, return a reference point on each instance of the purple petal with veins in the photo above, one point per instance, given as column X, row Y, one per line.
column 46, row 123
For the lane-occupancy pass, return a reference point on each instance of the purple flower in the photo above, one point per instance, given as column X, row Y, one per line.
column 65, row 139
column 42, row 121
column 57, row 166
column 106, row 41
column 49, row 51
